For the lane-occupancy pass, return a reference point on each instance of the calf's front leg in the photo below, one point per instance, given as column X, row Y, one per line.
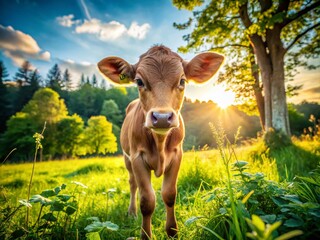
column 169, row 193
column 147, row 196
column 133, row 188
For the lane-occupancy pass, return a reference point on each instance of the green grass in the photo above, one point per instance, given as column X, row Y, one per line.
column 202, row 204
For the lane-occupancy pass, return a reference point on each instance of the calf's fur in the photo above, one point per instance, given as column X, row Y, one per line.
column 153, row 129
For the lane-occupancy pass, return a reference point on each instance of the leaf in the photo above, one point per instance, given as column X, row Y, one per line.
column 269, row 218
column 292, row 198
column 58, row 189
column 70, row 210
column 93, row 236
column 94, row 219
column 211, row 197
column 278, row 201
column 57, row 205
column 191, row 220
column 222, row 211
column 289, row 235
column 272, row 228
column 25, row 203
column 48, row 193
column 111, row 226
column 258, row 224
column 245, row 199
column 64, row 197
column 97, row 226
column 49, row 217
column 94, row 227
column 293, row 222
column 239, row 164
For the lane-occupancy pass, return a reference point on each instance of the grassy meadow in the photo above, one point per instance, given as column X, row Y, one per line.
column 88, row 198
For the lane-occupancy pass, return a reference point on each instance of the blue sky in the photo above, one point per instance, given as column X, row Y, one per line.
column 76, row 34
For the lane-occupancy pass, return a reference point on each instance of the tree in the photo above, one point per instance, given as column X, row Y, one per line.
column 267, row 32
column 23, row 75
column 28, row 83
column 70, row 134
column 82, row 80
column 45, row 106
column 111, row 110
column 94, row 80
column 67, row 80
column 4, row 102
column 54, row 79
column 99, row 137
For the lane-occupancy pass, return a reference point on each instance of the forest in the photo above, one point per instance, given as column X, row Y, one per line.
column 74, row 116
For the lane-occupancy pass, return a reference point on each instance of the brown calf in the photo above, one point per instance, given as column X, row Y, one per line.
column 153, row 130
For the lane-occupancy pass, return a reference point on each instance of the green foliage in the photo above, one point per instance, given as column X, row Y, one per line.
column 276, row 140
column 111, row 110
column 99, row 137
column 45, row 105
column 101, row 190
column 70, row 135
column 262, row 231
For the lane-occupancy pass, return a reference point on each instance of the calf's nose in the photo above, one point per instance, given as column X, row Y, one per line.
column 162, row 120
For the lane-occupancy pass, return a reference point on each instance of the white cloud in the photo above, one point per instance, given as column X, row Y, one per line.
column 67, row 20
column 137, row 31
column 20, row 46
column 105, row 31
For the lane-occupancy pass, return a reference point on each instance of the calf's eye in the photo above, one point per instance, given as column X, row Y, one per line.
column 182, row 83
column 139, row 83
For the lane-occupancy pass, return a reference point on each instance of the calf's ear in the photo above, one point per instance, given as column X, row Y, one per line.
column 116, row 70
column 203, row 66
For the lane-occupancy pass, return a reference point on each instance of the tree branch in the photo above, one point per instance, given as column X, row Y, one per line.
column 244, row 15
column 265, row 5
column 283, row 6
column 301, row 13
column 301, row 35
column 230, row 45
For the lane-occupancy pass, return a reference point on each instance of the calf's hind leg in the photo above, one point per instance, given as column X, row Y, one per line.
column 132, row 210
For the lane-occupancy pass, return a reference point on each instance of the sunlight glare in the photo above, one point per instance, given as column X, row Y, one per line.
column 222, row 97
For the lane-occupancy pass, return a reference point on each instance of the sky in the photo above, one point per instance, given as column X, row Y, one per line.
column 76, row 34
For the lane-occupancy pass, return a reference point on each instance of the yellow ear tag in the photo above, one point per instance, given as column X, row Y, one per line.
column 123, row 78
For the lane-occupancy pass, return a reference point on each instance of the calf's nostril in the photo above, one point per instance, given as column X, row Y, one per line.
column 170, row 117
column 154, row 118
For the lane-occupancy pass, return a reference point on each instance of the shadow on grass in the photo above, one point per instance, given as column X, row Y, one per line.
column 293, row 161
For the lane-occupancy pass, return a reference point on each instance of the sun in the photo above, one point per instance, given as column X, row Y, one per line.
column 222, row 97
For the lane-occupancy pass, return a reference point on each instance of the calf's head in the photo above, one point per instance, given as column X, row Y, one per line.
column 161, row 76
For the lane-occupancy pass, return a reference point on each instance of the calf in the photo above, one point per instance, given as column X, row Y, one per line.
column 153, row 129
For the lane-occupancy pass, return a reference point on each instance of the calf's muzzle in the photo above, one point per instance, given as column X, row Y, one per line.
column 162, row 120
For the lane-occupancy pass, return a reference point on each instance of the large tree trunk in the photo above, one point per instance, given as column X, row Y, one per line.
column 280, row 119
column 257, row 89
column 270, row 58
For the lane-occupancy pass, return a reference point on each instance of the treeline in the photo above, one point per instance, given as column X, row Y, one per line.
column 85, row 120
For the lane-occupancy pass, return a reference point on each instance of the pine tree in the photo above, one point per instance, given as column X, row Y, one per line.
column 4, row 103
column 54, row 79
column 23, row 74
column 88, row 80
column 3, row 73
column 82, row 81
column 67, row 80
column 94, row 80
